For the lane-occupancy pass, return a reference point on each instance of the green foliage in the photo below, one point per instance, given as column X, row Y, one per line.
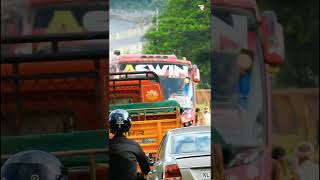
column 300, row 20
column 184, row 30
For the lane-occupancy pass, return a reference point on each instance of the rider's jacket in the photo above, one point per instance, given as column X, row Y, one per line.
column 124, row 155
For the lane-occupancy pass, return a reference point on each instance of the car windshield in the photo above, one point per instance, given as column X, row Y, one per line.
column 191, row 144
column 237, row 100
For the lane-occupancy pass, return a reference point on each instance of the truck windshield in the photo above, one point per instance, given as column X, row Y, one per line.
column 172, row 79
column 238, row 93
column 177, row 89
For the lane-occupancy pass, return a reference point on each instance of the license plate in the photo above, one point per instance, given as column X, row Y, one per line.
column 205, row 175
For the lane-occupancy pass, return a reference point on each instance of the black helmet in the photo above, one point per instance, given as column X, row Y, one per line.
column 33, row 165
column 119, row 121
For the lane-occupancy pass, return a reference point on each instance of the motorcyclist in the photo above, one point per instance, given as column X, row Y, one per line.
column 124, row 153
column 33, row 165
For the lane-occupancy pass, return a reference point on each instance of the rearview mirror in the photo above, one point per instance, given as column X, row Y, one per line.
column 272, row 39
column 195, row 74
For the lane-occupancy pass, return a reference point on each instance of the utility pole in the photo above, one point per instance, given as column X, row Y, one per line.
column 157, row 14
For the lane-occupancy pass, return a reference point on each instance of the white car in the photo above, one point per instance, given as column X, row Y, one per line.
column 184, row 153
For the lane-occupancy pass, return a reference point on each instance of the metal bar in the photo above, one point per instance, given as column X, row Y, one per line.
column 123, row 91
column 104, row 88
column 18, row 102
column 140, row 93
column 80, row 152
column 136, row 72
column 156, row 108
column 55, row 46
column 55, row 37
column 124, row 85
column 146, row 73
column 113, row 90
column 77, row 170
column 133, row 79
column 52, row 57
column 93, row 175
column 70, row 153
column 97, row 92
column 90, row 74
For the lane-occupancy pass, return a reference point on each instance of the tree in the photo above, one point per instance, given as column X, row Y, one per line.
column 183, row 29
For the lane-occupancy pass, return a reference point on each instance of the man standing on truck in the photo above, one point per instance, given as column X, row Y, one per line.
column 124, row 153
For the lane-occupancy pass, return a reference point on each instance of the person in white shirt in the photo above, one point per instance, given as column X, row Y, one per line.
column 207, row 115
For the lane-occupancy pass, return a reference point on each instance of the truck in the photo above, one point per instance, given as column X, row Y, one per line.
column 248, row 48
column 56, row 101
column 140, row 93
column 54, row 84
column 178, row 78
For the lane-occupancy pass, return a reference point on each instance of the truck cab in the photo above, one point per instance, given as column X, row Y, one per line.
column 178, row 78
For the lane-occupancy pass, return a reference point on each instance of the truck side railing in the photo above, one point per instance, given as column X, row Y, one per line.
column 148, row 112
column 98, row 56
column 54, row 40
column 131, row 76
column 148, row 132
column 15, row 60
column 140, row 75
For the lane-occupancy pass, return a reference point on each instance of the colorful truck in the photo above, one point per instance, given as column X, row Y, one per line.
column 247, row 46
column 178, row 78
column 140, row 93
